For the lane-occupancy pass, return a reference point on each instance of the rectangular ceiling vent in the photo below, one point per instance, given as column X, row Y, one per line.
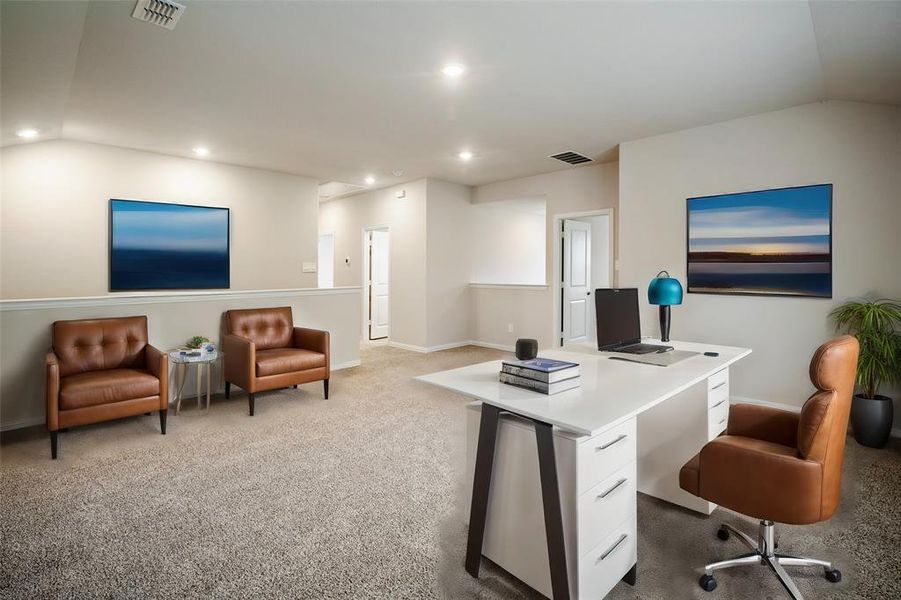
column 571, row 158
column 164, row 13
column 337, row 189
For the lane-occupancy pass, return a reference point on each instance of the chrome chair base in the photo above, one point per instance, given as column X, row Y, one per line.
column 764, row 553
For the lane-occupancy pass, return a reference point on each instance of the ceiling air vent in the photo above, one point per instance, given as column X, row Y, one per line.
column 571, row 158
column 164, row 13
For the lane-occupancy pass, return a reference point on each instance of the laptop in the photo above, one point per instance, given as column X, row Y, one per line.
column 618, row 325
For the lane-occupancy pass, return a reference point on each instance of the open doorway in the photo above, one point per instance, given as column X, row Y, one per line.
column 583, row 262
column 376, row 288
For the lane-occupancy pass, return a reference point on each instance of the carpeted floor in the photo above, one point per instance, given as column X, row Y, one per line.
column 355, row 497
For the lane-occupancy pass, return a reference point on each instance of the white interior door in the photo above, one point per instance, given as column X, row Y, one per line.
column 576, row 292
column 379, row 323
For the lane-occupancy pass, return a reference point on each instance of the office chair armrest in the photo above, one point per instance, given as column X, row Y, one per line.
column 240, row 359
column 313, row 339
column 764, row 423
column 158, row 365
column 51, row 368
column 761, row 479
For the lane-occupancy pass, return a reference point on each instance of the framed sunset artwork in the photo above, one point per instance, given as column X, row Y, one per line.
column 768, row 243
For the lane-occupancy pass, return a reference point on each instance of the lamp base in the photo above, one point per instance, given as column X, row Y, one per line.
column 664, row 323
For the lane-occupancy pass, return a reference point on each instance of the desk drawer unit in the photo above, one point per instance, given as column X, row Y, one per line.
column 601, row 455
column 717, row 403
column 604, row 506
column 605, row 565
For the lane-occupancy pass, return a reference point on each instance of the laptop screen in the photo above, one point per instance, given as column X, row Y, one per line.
column 617, row 317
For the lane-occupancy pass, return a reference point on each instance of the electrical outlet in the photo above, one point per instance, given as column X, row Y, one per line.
column 509, row 327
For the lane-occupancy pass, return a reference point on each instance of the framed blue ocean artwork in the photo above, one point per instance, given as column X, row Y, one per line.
column 767, row 243
column 159, row 246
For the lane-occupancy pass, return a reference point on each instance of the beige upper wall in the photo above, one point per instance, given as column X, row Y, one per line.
column 856, row 147
column 530, row 312
column 449, row 263
column 55, row 213
column 406, row 219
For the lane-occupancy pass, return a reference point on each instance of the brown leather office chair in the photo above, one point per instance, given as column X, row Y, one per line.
column 103, row 369
column 264, row 351
column 776, row 465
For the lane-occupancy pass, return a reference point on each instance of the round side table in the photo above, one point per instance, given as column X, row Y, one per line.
column 204, row 363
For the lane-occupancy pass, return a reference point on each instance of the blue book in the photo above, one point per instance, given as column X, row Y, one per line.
column 546, row 370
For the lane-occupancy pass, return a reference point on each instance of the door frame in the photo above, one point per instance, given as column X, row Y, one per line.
column 364, row 276
column 557, row 270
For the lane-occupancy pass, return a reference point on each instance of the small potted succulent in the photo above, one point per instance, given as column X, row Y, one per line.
column 877, row 326
column 199, row 342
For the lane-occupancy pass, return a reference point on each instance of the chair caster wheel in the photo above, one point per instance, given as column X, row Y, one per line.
column 723, row 534
column 707, row 583
column 834, row 575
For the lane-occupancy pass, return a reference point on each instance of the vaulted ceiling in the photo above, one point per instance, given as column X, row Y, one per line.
column 339, row 90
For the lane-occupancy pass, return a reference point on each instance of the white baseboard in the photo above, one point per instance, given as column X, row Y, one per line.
column 346, row 365
column 427, row 349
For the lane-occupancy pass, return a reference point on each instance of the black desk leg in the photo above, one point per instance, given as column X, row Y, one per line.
column 481, row 482
column 553, row 515
column 632, row 575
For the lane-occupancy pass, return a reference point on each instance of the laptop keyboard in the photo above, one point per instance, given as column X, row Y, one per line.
column 643, row 349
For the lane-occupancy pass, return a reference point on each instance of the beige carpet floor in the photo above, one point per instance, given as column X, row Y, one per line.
column 355, row 497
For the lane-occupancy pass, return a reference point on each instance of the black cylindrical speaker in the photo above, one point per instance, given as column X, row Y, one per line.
column 526, row 349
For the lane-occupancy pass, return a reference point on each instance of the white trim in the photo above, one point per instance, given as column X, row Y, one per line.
column 493, row 346
column 167, row 297
column 744, row 400
column 22, row 423
column 346, row 365
column 508, row 286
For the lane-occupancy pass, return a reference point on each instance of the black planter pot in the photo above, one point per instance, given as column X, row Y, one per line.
column 871, row 419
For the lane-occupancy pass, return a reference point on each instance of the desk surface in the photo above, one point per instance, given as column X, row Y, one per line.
column 611, row 390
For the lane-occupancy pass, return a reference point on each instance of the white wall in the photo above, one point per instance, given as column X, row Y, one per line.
column 856, row 147
column 530, row 310
column 55, row 214
column 171, row 320
column 406, row 218
column 508, row 242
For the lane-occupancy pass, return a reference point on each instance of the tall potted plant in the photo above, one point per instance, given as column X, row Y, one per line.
column 876, row 325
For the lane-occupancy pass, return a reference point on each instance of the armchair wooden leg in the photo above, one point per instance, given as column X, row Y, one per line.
column 250, row 400
column 163, row 414
column 325, row 387
column 228, row 389
column 294, row 386
column 53, row 444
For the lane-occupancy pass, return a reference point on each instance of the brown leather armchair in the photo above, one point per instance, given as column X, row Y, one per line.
column 103, row 369
column 264, row 351
column 776, row 465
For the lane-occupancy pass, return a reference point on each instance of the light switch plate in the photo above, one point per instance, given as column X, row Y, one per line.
column 309, row 267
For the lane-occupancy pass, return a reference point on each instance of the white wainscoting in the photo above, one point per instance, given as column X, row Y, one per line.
column 172, row 319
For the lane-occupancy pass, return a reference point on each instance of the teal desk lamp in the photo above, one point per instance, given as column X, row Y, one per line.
column 664, row 291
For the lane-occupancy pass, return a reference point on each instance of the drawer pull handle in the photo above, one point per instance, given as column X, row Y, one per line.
column 718, row 403
column 610, row 550
column 723, row 421
column 610, row 491
column 608, row 444
column 718, row 386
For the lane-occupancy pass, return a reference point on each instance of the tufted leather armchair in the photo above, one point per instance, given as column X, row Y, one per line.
column 264, row 351
column 103, row 369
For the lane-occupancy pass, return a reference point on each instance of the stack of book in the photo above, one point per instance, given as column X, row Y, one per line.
column 543, row 375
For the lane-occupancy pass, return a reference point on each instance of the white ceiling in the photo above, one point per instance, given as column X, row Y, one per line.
column 339, row 90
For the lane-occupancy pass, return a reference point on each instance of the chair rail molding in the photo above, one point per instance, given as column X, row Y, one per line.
column 167, row 297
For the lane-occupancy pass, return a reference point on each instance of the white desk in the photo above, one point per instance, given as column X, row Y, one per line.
column 628, row 427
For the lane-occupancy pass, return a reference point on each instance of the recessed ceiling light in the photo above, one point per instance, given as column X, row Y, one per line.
column 453, row 70
column 465, row 155
column 369, row 180
column 201, row 151
column 27, row 133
